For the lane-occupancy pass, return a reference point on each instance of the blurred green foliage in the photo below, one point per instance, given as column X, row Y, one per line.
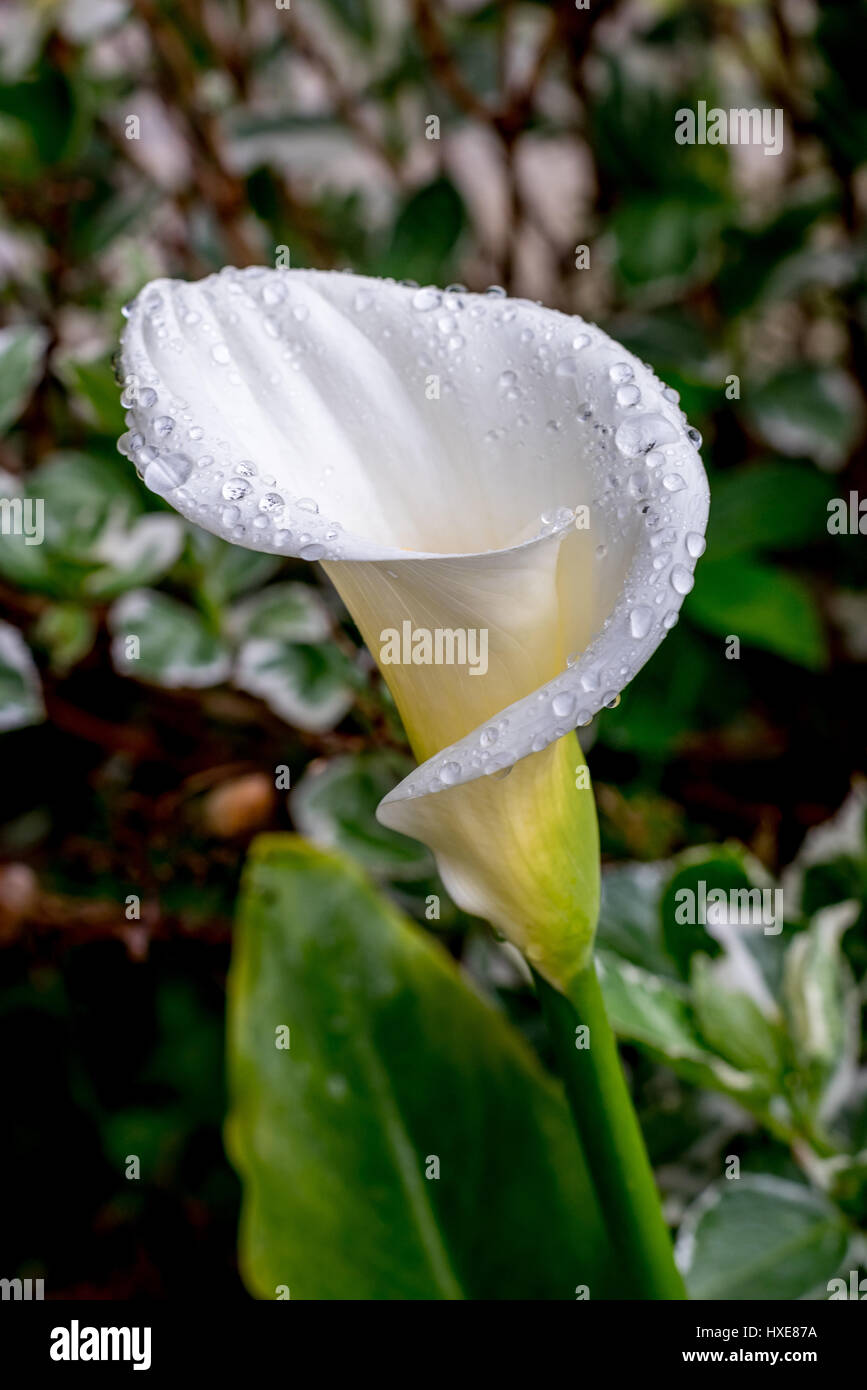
column 743, row 280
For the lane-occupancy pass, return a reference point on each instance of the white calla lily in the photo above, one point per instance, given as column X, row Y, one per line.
column 457, row 462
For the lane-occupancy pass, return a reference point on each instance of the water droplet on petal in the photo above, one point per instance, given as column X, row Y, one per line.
column 271, row 502
column 221, row 354
column 426, row 299
column 235, row 489
column 628, row 395
column 682, row 579
column 563, row 704
column 694, row 437
column 314, row 551
column 695, row 544
column 673, row 482
column 168, row 472
column 620, row 372
column 640, row 620
column 307, row 504
column 642, row 433
column 164, row 425
column 450, row 772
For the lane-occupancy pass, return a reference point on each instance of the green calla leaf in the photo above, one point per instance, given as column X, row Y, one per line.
column 94, row 383
column 395, row 1070
column 762, row 605
column 808, row 412
column 777, row 505
column 426, row 233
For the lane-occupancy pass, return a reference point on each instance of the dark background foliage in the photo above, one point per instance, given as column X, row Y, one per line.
column 305, row 128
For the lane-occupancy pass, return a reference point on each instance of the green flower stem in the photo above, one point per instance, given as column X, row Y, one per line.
column 611, row 1138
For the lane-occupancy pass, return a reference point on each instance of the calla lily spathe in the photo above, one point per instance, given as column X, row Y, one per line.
column 456, row 461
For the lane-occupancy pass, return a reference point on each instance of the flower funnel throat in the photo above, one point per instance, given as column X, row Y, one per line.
column 473, row 471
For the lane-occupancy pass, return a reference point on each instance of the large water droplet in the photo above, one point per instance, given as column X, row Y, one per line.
column 640, row 620
column 271, row 502
column 221, row 354
column 627, row 395
column 426, row 299
column 695, row 544
column 235, row 489
column 450, row 772
column 167, row 472
column 642, row 433
column 682, row 579
column 620, row 372
column 563, row 704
